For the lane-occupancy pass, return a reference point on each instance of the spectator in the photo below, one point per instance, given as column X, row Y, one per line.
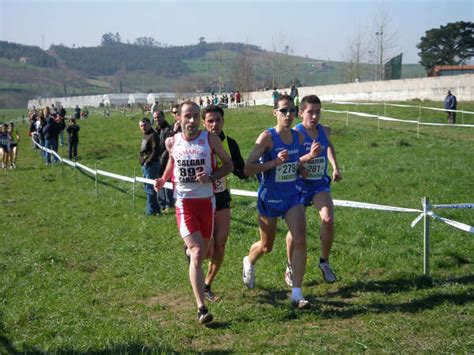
column 155, row 107
column 51, row 132
column 150, row 162
column 450, row 103
column 77, row 112
column 275, row 95
column 164, row 130
column 73, row 138
column 293, row 92
column 238, row 97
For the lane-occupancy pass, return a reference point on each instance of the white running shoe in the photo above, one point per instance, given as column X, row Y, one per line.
column 328, row 274
column 248, row 275
column 289, row 275
column 300, row 303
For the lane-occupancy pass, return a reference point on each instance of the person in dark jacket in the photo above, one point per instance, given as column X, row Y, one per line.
column 150, row 162
column 450, row 103
column 51, row 132
column 164, row 130
column 73, row 140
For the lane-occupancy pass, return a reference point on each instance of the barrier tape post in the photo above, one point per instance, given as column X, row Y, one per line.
column 75, row 168
column 419, row 119
column 385, row 109
column 133, row 188
column 462, row 115
column 347, row 118
column 426, row 236
column 96, row 181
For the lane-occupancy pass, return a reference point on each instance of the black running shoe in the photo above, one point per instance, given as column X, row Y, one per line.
column 204, row 316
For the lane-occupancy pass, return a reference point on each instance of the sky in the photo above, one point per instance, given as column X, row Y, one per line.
column 319, row 29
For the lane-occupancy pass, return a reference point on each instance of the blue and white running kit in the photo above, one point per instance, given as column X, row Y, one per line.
column 318, row 179
column 277, row 192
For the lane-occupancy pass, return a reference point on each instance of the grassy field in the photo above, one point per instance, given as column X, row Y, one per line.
column 84, row 270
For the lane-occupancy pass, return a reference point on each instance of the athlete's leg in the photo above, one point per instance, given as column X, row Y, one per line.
column 323, row 202
column 220, row 236
column 197, row 249
column 295, row 219
column 267, row 230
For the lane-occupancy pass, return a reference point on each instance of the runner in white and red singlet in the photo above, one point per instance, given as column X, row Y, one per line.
column 192, row 169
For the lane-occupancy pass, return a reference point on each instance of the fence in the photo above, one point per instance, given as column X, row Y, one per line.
column 426, row 213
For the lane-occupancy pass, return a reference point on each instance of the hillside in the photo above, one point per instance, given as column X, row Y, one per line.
column 27, row 72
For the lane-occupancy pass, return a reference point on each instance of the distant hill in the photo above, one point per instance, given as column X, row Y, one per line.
column 27, row 72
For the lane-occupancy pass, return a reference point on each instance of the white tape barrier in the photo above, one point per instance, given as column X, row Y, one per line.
column 237, row 192
column 462, row 226
column 456, row 205
column 383, row 118
column 399, row 105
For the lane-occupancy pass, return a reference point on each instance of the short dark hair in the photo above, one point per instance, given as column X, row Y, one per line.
column 212, row 108
column 284, row 97
column 145, row 120
column 309, row 99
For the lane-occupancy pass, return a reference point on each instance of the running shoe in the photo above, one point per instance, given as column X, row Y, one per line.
column 289, row 275
column 328, row 274
column 248, row 274
column 211, row 296
column 204, row 316
column 300, row 303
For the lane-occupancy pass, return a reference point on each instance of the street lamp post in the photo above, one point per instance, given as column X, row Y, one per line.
column 379, row 36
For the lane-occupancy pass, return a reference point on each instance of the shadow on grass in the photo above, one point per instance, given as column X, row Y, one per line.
column 104, row 183
column 398, row 285
column 346, row 309
column 349, row 306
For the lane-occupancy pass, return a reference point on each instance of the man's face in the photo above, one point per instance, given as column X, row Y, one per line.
column 174, row 112
column 214, row 122
column 155, row 116
column 285, row 113
column 189, row 119
column 144, row 126
column 311, row 115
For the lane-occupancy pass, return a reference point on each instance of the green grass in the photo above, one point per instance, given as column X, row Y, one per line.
column 87, row 273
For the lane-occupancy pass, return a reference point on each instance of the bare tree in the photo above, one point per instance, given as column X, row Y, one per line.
column 383, row 40
column 357, row 53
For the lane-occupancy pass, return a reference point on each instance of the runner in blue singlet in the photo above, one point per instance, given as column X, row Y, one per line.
column 315, row 188
column 275, row 157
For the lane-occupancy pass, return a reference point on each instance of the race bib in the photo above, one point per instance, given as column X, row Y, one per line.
column 220, row 185
column 316, row 168
column 286, row 172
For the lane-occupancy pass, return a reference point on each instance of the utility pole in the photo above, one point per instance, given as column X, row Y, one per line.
column 379, row 35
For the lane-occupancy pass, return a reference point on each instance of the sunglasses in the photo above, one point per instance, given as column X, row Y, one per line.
column 285, row 111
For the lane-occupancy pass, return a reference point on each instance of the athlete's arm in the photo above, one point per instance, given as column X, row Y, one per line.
column 264, row 143
column 336, row 173
column 227, row 165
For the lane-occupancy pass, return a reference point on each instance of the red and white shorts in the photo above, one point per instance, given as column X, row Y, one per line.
column 195, row 215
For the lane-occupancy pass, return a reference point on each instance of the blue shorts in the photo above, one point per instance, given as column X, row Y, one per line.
column 276, row 203
column 308, row 191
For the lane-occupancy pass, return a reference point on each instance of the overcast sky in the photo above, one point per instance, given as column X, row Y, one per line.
column 319, row 29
